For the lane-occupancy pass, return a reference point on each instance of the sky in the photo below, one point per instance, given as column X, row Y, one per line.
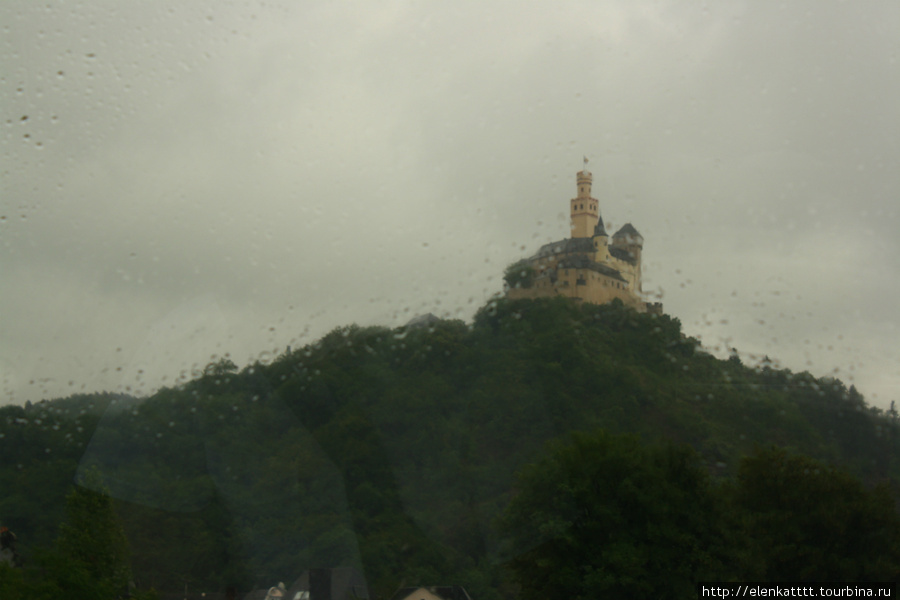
column 186, row 181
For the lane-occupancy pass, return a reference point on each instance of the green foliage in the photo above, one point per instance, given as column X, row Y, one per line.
column 395, row 450
column 89, row 561
column 519, row 275
column 92, row 539
column 807, row 521
column 605, row 516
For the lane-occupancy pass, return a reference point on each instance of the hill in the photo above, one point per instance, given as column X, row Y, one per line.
column 395, row 450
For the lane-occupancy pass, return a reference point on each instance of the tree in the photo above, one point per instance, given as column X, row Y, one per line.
column 92, row 538
column 90, row 560
column 605, row 516
column 807, row 521
column 519, row 275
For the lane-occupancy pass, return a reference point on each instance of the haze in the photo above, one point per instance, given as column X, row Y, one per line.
column 185, row 181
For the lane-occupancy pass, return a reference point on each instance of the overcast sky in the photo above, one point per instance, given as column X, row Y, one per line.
column 182, row 180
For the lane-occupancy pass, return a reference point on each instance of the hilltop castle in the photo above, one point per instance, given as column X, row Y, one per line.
column 587, row 266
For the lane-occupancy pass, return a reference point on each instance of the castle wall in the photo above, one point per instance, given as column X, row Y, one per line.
column 595, row 275
column 628, row 270
column 584, row 284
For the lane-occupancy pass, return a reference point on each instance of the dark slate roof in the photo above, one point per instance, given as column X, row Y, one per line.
column 621, row 254
column 627, row 230
column 566, row 246
column 598, row 228
column 577, row 253
column 447, row 592
column 579, row 261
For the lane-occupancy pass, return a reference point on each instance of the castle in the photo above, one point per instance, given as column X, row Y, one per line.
column 588, row 266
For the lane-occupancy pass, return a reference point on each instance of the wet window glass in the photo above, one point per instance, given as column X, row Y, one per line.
column 450, row 301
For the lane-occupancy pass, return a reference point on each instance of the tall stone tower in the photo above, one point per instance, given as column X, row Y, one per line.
column 583, row 208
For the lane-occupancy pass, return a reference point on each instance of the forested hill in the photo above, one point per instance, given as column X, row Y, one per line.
column 395, row 450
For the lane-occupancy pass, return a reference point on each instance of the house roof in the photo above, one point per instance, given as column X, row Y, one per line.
column 598, row 228
column 446, row 592
column 346, row 583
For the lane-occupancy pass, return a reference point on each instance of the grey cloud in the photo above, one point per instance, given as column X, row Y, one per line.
column 299, row 166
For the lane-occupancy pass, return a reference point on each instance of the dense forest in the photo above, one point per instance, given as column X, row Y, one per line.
column 547, row 449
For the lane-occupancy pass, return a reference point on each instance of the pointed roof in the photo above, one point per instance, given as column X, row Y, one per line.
column 628, row 235
column 599, row 229
column 628, row 230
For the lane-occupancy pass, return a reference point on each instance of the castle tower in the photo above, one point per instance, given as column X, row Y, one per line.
column 583, row 208
column 601, row 241
column 591, row 266
column 628, row 239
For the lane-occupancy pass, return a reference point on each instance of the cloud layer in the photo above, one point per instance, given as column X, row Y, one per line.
column 182, row 181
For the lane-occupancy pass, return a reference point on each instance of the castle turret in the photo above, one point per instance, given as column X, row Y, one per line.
column 628, row 239
column 583, row 208
column 601, row 241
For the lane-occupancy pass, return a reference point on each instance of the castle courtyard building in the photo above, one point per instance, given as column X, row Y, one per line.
column 589, row 266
